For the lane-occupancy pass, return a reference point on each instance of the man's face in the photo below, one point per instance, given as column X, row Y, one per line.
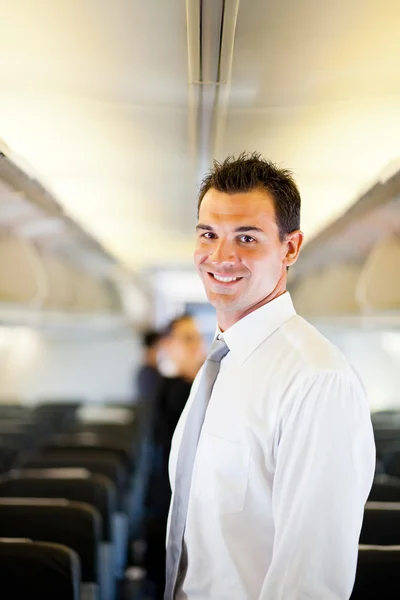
column 238, row 239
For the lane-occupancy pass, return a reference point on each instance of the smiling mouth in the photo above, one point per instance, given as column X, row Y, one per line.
column 226, row 280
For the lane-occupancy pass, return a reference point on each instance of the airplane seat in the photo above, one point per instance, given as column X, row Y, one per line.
column 92, row 442
column 386, row 436
column 391, row 461
column 89, row 442
column 385, row 489
column 58, row 416
column 72, row 524
column 8, row 456
column 15, row 437
column 377, row 576
column 381, row 524
column 126, row 434
column 101, row 463
column 80, row 486
column 385, row 418
column 13, row 410
column 49, row 571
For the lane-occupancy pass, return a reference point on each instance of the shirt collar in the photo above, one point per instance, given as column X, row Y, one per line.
column 246, row 335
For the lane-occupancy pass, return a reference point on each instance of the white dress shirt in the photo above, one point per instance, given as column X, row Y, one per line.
column 283, row 468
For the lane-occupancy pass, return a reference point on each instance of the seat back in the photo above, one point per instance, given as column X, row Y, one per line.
column 381, row 524
column 72, row 484
column 391, row 460
column 79, row 485
column 8, row 455
column 385, row 489
column 100, row 463
column 39, row 571
column 58, row 416
column 92, row 442
column 377, row 576
column 72, row 524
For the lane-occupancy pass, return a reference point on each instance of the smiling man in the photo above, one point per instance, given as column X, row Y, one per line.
column 273, row 458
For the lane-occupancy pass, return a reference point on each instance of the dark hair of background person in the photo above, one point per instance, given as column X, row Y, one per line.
column 249, row 172
column 150, row 338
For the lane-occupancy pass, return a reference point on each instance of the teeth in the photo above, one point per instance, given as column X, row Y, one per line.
column 225, row 279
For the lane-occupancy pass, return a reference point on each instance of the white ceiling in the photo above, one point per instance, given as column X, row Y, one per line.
column 94, row 95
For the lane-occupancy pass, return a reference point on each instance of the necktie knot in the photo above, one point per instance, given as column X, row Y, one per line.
column 218, row 350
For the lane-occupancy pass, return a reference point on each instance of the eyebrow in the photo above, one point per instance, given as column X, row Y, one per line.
column 241, row 229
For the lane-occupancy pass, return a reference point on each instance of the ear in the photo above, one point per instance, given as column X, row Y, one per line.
column 293, row 244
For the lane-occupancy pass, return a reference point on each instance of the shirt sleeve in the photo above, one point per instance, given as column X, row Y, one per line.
column 325, row 461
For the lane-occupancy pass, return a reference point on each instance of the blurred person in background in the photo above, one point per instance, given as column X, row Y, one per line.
column 184, row 347
column 148, row 377
column 148, row 383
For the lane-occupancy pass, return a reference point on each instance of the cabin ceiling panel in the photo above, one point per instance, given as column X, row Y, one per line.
column 119, row 51
column 95, row 96
column 316, row 88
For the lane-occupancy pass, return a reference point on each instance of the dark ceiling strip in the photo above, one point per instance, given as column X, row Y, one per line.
column 221, row 35
column 201, row 42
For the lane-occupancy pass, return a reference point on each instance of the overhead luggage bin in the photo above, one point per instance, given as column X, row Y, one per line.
column 50, row 267
column 38, row 571
column 337, row 290
column 332, row 292
column 89, row 295
column 22, row 276
column 304, row 298
column 60, row 294
column 378, row 287
column 72, row 524
column 366, row 235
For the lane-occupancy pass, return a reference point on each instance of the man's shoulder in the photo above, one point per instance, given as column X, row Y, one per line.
column 312, row 350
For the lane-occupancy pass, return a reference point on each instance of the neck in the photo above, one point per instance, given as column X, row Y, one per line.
column 226, row 319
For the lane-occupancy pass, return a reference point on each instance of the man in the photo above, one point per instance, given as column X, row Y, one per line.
column 285, row 454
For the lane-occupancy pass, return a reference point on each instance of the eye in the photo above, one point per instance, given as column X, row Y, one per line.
column 246, row 239
column 208, row 235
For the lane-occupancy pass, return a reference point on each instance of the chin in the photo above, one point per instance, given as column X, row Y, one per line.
column 220, row 301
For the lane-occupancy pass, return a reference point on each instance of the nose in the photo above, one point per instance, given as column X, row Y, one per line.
column 223, row 253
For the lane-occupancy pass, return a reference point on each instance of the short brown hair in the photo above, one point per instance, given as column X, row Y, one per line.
column 250, row 171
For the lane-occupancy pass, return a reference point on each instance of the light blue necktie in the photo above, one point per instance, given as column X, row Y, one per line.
column 176, row 563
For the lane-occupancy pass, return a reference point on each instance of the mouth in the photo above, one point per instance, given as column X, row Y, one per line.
column 224, row 280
